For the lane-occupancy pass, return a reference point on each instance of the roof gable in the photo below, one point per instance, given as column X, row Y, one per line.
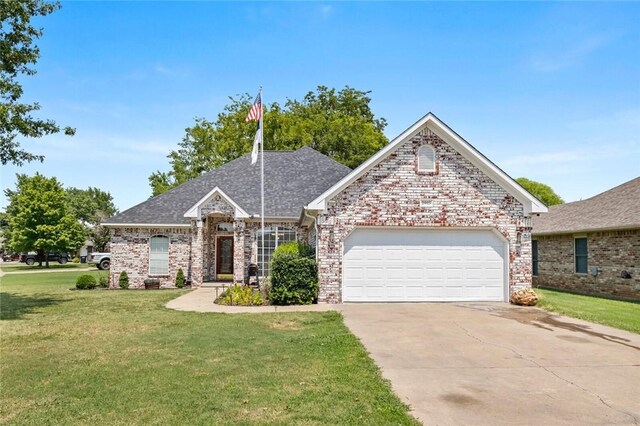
column 444, row 132
column 220, row 203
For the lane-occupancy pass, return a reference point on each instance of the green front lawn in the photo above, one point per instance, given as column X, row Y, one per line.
column 18, row 267
column 614, row 313
column 120, row 357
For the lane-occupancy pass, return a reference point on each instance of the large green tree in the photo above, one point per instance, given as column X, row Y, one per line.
column 541, row 191
column 91, row 206
column 18, row 54
column 339, row 124
column 40, row 218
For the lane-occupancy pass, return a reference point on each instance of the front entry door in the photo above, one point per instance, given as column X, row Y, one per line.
column 224, row 257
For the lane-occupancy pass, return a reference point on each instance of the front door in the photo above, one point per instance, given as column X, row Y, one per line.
column 224, row 257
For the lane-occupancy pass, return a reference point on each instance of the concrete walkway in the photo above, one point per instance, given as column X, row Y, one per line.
column 493, row 364
column 201, row 300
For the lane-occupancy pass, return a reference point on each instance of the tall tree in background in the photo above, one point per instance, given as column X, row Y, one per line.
column 40, row 219
column 541, row 191
column 340, row 124
column 18, row 54
column 92, row 206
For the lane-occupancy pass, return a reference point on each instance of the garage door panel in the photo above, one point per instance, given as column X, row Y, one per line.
column 384, row 264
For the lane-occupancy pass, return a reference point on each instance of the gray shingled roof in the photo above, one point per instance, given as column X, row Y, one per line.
column 617, row 208
column 292, row 180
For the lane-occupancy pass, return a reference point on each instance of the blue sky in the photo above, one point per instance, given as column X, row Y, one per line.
column 550, row 91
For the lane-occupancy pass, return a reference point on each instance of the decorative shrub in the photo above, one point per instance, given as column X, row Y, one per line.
column 294, row 280
column 86, row 282
column 295, row 247
column 180, row 278
column 103, row 280
column 123, row 280
column 240, row 295
column 76, row 259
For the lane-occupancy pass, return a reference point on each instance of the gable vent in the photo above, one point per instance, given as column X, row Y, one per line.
column 426, row 159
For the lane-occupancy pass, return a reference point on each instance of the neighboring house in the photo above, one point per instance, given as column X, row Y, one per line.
column 591, row 246
column 426, row 218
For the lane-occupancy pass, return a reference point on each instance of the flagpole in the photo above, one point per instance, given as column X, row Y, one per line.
column 262, row 178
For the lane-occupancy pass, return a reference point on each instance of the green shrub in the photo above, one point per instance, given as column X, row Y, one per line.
column 76, row 259
column 295, row 247
column 103, row 280
column 294, row 280
column 86, row 282
column 180, row 278
column 240, row 295
column 123, row 280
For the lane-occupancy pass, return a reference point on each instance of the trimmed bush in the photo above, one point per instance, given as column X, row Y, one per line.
column 123, row 280
column 180, row 278
column 103, row 280
column 294, row 280
column 75, row 260
column 86, row 282
column 240, row 295
column 296, row 248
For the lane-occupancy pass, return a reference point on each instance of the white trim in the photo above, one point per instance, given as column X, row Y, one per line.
column 506, row 258
column 194, row 211
column 531, row 204
column 147, row 225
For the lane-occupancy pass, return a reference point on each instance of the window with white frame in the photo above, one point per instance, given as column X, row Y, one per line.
column 426, row 159
column 159, row 255
column 580, row 255
column 273, row 237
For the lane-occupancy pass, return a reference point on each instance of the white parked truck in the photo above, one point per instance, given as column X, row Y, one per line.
column 101, row 260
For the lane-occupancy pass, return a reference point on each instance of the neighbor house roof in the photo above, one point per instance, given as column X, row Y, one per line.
column 531, row 204
column 617, row 208
column 292, row 179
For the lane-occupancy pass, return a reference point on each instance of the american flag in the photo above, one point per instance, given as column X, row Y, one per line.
column 256, row 110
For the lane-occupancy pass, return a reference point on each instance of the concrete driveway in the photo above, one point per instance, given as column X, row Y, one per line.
column 490, row 363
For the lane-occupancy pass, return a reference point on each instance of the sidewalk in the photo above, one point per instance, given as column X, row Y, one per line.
column 201, row 300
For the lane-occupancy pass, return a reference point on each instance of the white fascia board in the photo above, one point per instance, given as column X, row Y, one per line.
column 530, row 203
column 146, row 225
column 194, row 211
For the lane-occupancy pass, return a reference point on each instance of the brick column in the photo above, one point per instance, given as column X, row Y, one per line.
column 196, row 253
column 238, row 251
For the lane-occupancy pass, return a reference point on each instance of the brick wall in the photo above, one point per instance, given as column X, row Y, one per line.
column 130, row 253
column 390, row 194
column 612, row 251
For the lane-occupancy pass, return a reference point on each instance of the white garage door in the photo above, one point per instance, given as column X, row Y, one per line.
column 412, row 264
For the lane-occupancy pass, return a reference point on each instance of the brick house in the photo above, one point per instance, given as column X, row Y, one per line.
column 426, row 218
column 591, row 246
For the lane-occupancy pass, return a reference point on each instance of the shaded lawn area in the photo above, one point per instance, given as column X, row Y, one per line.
column 614, row 313
column 120, row 357
column 18, row 267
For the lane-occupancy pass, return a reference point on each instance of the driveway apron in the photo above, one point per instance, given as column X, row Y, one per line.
column 492, row 363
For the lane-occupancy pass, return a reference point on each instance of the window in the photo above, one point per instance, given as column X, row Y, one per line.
column 225, row 227
column 426, row 159
column 534, row 257
column 273, row 237
column 159, row 256
column 580, row 255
